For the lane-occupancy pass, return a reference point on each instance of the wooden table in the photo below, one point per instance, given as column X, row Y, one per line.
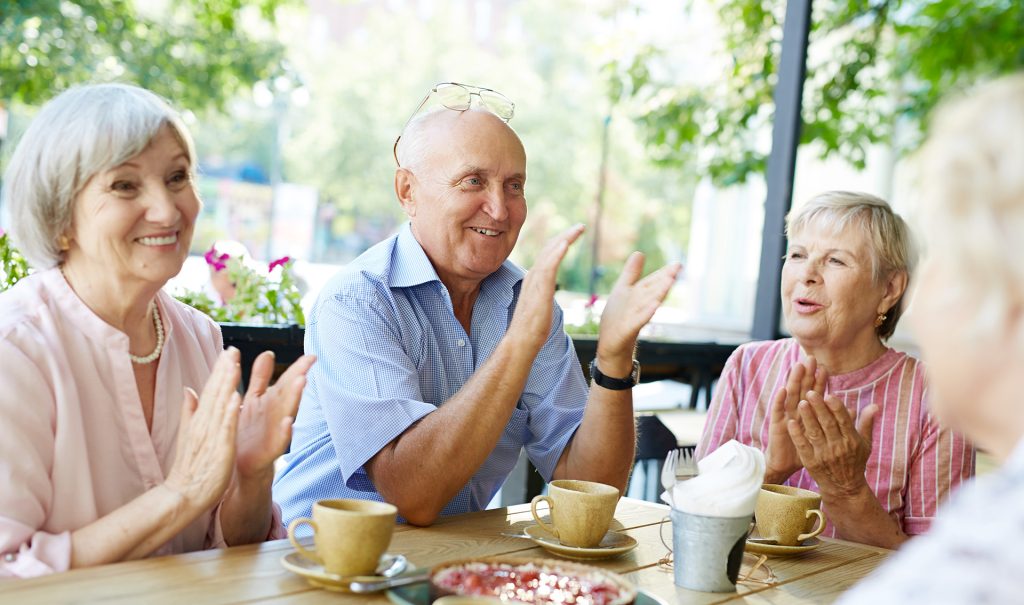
column 253, row 574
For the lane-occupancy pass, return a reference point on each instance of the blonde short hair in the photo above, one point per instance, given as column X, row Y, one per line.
column 891, row 243
column 972, row 188
column 77, row 134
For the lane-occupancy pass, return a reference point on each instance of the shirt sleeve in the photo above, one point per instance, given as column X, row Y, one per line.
column 944, row 461
column 27, row 425
column 555, row 396
column 363, row 375
column 722, row 420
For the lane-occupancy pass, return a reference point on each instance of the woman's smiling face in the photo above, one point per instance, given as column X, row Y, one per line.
column 135, row 221
column 829, row 293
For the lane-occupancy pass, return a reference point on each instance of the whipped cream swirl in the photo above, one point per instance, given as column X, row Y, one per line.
column 727, row 485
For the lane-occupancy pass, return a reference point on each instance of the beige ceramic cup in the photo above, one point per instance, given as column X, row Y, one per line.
column 788, row 514
column 350, row 535
column 581, row 511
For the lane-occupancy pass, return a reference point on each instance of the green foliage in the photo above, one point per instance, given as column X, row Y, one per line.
column 196, row 53
column 13, row 265
column 591, row 325
column 259, row 299
column 875, row 70
column 202, row 302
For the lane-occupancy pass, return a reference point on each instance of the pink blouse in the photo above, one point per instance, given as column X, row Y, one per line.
column 74, row 445
column 914, row 463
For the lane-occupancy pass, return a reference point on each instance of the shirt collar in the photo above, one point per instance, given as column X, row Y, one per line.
column 411, row 267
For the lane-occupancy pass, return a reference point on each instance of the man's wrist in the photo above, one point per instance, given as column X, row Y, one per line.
column 615, row 383
column 616, row 364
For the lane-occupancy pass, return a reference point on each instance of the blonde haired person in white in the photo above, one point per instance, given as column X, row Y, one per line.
column 968, row 315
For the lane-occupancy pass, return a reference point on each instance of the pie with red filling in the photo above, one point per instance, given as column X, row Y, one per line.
column 536, row 581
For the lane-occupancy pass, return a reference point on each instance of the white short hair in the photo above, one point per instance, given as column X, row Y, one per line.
column 78, row 134
column 414, row 145
column 972, row 190
column 891, row 243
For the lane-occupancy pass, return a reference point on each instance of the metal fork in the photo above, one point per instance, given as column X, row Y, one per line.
column 686, row 467
column 668, row 472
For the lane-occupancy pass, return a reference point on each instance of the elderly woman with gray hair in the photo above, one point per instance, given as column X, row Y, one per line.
column 834, row 409
column 106, row 451
column 968, row 318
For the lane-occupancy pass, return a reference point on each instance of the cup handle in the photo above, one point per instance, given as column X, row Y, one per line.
column 533, row 510
column 305, row 552
column 817, row 530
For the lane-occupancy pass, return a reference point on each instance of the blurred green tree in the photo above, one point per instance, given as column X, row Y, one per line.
column 198, row 53
column 875, row 69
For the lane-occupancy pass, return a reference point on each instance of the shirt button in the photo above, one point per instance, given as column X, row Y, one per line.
column 9, row 557
column 461, row 342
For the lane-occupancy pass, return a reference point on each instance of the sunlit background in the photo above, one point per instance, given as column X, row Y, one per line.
column 648, row 120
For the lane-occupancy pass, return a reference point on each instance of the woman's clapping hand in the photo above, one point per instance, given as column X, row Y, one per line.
column 265, row 426
column 781, row 456
column 204, row 461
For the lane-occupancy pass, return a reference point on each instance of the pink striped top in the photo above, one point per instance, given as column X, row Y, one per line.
column 914, row 462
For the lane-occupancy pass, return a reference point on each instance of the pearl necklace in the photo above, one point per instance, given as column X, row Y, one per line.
column 159, row 325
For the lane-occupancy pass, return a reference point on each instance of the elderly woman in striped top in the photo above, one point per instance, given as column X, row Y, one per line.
column 834, row 409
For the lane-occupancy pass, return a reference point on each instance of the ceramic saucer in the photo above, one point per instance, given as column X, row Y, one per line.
column 779, row 550
column 315, row 574
column 612, row 545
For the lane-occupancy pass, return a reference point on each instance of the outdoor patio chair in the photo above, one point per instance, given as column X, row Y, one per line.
column 654, row 441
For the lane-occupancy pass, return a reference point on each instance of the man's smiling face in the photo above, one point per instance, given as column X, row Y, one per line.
column 467, row 194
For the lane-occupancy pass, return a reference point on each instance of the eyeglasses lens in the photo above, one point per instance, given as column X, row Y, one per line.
column 497, row 103
column 453, row 96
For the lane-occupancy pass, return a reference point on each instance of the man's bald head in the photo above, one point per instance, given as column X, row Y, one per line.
column 435, row 129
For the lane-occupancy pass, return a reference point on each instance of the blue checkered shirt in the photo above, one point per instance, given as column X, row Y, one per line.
column 390, row 351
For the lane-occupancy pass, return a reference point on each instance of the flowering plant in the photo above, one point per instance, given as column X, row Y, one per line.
column 13, row 265
column 591, row 320
column 271, row 298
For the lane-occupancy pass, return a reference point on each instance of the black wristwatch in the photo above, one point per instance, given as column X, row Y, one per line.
column 615, row 384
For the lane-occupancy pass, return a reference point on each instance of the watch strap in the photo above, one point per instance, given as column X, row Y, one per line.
column 615, row 384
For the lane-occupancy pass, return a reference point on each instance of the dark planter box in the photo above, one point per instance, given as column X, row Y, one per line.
column 285, row 340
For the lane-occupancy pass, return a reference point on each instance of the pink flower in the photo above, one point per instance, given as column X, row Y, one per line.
column 284, row 260
column 592, row 301
column 2, row 232
column 219, row 263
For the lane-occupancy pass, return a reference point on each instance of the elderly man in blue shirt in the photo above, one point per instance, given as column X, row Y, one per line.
column 440, row 360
